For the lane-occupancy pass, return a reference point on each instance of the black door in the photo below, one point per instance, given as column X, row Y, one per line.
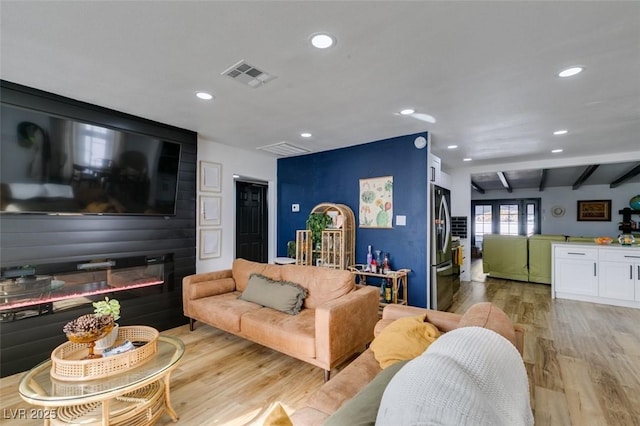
column 251, row 221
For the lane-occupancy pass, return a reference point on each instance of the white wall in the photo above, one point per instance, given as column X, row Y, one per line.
column 567, row 198
column 461, row 206
column 252, row 165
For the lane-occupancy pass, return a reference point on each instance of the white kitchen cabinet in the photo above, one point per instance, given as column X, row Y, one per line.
column 620, row 275
column 599, row 274
column 438, row 177
column 576, row 270
column 436, row 169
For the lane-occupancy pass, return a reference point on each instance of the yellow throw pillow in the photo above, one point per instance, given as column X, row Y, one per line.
column 405, row 338
column 277, row 417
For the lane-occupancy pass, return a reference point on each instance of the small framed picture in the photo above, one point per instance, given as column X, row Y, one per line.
column 210, row 176
column 210, row 210
column 594, row 210
column 210, row 240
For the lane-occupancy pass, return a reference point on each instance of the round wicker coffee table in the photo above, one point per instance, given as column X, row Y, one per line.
column 137, row 396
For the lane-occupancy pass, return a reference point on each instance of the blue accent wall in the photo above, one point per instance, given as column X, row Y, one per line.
column 333, row 177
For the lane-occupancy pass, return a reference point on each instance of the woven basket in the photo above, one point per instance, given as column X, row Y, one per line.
column 67, row 362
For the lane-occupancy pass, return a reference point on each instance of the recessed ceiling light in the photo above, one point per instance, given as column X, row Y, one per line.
column 555, row 151
column 322, row 40
column 305, row 135
column 407, row 111
column 452, row 146
column 560, row 132
column 204, row 95
column 466, row 159
column 569, row 72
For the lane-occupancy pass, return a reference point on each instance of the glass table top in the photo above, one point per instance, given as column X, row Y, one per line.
column 38, row 387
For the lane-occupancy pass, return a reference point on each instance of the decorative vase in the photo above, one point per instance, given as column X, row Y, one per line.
column 107, row 341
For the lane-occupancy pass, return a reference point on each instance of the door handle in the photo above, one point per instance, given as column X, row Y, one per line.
column 433, row 174
column 446, row 266
column 579, row 254
column 630, row 272
column 594, row 269
column 447, row 225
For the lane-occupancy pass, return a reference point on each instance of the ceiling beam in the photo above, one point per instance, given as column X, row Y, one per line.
column 625, row 177
column 543, row 179
column 504, row 181
column 585, row 175
column 477, row 187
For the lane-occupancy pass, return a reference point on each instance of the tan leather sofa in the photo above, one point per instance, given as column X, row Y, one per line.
column 336, row 321
column 349, row 381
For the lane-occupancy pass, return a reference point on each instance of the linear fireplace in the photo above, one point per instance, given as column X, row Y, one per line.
column 33, row 290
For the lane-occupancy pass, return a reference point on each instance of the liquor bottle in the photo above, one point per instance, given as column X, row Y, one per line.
column 387, row 291
column 374, row 266
column 369, row 259
column 385, row 264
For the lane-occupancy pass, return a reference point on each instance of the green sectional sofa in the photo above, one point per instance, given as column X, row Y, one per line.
column 519, row 258
column 540, row 257
column 505, row 256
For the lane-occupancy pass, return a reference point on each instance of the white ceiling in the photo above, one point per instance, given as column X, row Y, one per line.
column 487, row 71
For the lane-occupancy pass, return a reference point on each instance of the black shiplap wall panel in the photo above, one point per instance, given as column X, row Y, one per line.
column 41, row 239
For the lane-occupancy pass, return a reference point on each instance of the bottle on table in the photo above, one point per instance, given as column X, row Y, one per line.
column 385, row 264
column 387, row 291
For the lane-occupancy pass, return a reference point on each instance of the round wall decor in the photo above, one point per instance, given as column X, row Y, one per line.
column 557, row 211
column 420, row 142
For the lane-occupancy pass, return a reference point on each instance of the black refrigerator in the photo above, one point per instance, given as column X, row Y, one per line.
column 442, row 272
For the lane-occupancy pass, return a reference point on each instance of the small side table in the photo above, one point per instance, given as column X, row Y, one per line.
column 136, row 396
column 284, row 261
column 398, row 282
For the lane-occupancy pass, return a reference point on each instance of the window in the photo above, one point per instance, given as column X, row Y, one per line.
column 509, row 223
column 483, row 222
column 505, row 217
column 531, row 218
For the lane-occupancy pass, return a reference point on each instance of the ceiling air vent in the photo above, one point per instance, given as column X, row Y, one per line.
column 248, row 74
column 284, row 148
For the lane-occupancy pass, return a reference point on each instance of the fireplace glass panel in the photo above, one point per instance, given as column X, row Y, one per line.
column 28, row 291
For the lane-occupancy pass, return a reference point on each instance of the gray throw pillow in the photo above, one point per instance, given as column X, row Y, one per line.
column 362, row 409
column 283, row 296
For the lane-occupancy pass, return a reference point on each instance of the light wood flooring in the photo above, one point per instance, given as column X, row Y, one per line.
column 583, row 362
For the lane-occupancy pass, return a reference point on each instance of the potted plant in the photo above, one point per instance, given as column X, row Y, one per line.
column 316, row 223
column 291, row 249
column 107, row 307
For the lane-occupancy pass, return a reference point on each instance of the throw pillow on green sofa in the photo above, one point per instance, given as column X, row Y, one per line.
column 283, row 296
column 362, row 409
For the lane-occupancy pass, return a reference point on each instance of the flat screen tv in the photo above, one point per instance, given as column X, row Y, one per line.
column 56, row 165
